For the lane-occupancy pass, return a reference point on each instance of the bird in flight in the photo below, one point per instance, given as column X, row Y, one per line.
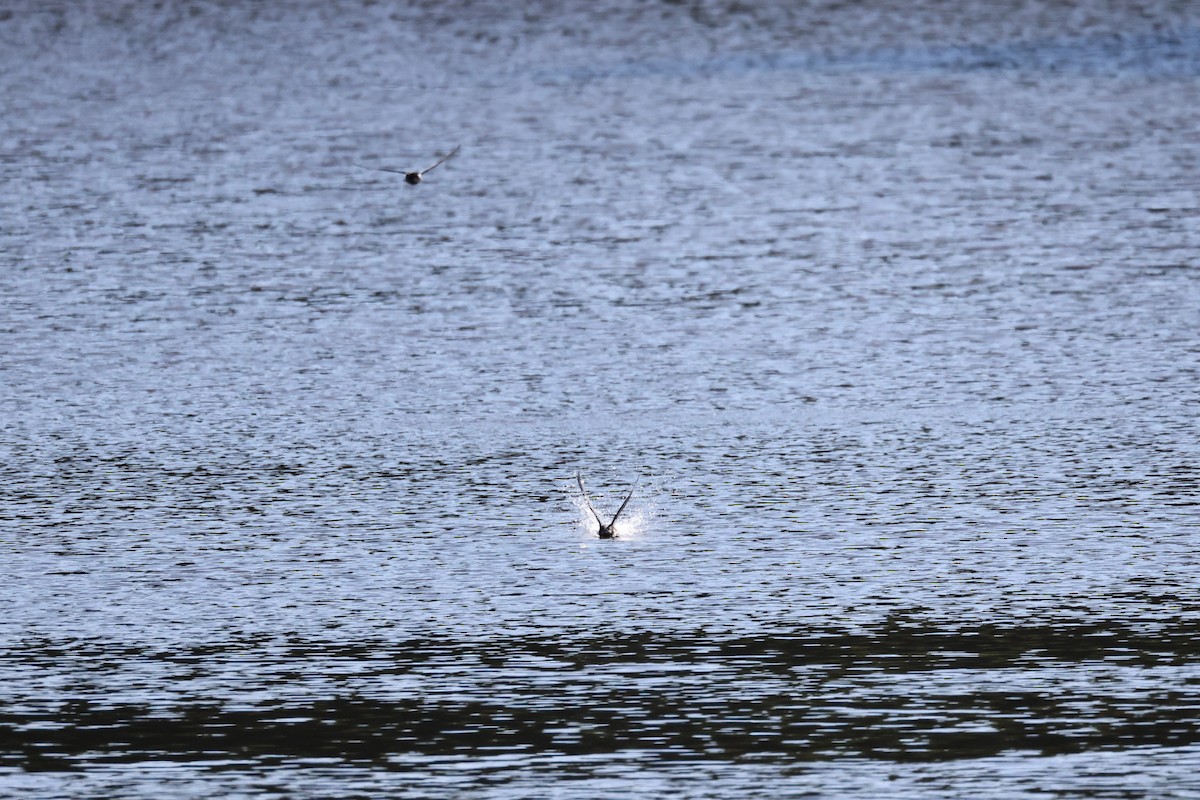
column 413, row 178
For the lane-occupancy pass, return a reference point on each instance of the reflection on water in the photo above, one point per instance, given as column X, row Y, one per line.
column 901, row 692
column 890, row 308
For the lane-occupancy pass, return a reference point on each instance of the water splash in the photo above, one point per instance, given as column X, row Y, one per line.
column 634, row 521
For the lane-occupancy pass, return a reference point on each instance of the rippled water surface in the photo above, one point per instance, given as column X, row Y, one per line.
column 892, row 308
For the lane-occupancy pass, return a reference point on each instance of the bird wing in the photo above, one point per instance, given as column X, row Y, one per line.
column 380, row 169
column 588, row 502
column 622, row 508
column 445, row 158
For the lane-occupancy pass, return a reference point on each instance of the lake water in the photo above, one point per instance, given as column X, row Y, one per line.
column 892, row 308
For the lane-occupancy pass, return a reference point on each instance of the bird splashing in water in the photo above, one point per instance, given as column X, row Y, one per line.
column 608, row 531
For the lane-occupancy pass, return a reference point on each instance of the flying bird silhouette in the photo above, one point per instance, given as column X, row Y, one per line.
column 606, row 531
column 413, row 178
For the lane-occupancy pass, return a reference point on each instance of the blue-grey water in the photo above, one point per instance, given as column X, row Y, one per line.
column 893, row 307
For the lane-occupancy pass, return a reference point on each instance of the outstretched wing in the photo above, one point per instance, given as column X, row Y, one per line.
column 622, row 508
column 445, row 158
column 583, row 492
column 379, row 169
